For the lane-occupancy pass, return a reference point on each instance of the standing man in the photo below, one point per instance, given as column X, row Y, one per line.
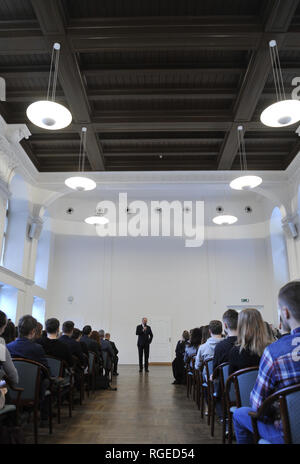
column 145, row 336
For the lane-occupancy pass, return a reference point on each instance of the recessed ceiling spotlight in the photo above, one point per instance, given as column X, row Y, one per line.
column 248, row 209
column 70, row 211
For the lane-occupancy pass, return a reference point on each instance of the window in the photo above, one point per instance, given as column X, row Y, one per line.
column 4, row 234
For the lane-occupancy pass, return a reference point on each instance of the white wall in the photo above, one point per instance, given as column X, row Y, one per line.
column 116, row 281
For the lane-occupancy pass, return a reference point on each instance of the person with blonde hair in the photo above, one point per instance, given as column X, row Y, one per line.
column 279, row 368
column 252, row 339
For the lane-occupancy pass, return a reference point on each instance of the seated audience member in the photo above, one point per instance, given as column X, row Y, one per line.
column 53, row 346
column 270, row 332
column 91, row 343
column 24, row 346
column 106, row 347
column 95, row 336
column 77, row 337
column 38, row 333
column 252, row 339
column 74, row 347
column 192, row 347
column 222, row 349
column 7, row 368
column 206, row 351
column 9, row 333
column 178, row 363
column 205, row 334
column 279, row 368
column 116, row 351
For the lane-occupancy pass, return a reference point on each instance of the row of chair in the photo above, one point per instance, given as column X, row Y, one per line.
column 58, row 382
column 233, row 391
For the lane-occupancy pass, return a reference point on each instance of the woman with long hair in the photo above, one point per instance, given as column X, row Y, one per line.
column 205, row 334
column 178, row 363
column 192, row 347
column 252, row 339
column 95, row 336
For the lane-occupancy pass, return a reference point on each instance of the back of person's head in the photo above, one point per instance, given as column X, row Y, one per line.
column 38, row 330
column 76, row 334
column 107, row 336
column 196, row 337
column 95, row 336
column 26, row 325
column 3, row 320
column 186, row 335
column 87, row 329
column 52, row 325
column 270, row 333
column 289, row 298
column 205, row 334
column 9, row 333
column 101, row 333
column 68, row 327
column 252, row 333
column 215, row 327
column 230, row 318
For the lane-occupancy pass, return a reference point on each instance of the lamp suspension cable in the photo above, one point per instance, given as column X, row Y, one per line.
column 277, row 71
column 242, row 149
column 53, row 71
column 82, row 150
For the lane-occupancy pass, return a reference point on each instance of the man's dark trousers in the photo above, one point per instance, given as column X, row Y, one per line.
column 143, row 349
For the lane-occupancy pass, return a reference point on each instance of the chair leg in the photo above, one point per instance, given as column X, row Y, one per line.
column 35, row 425
column 70, row 401
column 58, row 404
column 213, row 410
column 224, row 422
column 50, row 414
column 202, row 402
column 208, row 410
column 230, row 431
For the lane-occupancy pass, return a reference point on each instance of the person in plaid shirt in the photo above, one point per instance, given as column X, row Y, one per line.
column 279, row 367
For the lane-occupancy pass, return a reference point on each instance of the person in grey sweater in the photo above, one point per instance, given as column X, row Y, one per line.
column 7, row 368
column 207, row 350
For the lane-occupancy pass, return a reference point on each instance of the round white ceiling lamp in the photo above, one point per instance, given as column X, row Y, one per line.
column 225, row 219
column 246, row 181
column 81, row 183
column 284, row 112
column 48, row 114
column 98, row 219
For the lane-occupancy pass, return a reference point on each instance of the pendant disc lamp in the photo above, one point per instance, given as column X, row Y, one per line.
column 98, row 219
column 224, row 219
column 245, row 181
column 48, row 114
column 81, row 183
column 285, row 111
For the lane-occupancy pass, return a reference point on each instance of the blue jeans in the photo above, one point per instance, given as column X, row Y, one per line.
column 244, row 431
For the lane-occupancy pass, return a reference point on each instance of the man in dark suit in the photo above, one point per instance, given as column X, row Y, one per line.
column 74, row 347
column 52, row 345
column 24, row 346
column 91, row 344
column 145, row 336
column 116, row 351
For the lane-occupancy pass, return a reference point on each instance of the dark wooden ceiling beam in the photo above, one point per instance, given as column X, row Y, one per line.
column 279, row 18
column 50, row 17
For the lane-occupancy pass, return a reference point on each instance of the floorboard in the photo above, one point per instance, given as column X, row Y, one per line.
column 146, row 408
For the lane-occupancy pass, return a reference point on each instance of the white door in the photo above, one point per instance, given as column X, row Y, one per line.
column 160, row 348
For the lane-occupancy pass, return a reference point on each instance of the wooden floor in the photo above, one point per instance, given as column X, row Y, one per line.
column 146, row 408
